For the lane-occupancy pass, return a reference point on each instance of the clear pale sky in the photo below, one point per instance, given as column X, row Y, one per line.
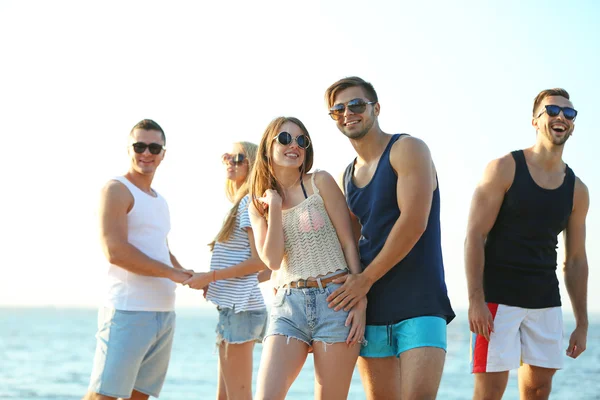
column 76, row 76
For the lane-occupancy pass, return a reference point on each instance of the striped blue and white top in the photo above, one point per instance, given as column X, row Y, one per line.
column 240, row 293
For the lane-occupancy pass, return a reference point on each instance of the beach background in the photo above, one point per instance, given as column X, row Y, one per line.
column 76, row 76
column 47, row 353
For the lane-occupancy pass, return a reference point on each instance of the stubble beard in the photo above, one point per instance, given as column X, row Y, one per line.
column 558, row 141
column 362, row 133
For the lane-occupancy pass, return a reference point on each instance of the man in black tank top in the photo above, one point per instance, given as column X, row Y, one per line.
column 523, row 202
column 392, row 192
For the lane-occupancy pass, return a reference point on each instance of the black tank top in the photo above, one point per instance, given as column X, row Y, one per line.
column 520, row 250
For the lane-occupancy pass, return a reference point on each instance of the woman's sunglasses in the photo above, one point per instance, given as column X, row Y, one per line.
column 155, row 148
column 235, row 159
column 357, row 106
column 553, row 111
column 285, row 139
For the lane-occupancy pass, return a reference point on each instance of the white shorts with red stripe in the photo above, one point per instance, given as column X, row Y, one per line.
column 521, row 335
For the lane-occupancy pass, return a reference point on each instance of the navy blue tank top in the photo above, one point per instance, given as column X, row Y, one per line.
column 415, row 286
column 520, row 250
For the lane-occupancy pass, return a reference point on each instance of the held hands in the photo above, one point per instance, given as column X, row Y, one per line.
column 180, row 275
column 270, row 198
column 199, row 280
column 577, row 342
column 354, row 289
column 357, row 317
column 481, row 321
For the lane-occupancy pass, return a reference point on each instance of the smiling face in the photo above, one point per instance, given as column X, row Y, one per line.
column 290, row 155
column 558, row 129
column 146, row 162
column 356, row 126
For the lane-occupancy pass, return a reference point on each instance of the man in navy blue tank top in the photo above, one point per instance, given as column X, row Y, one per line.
column 523, row 202
column 392, row 192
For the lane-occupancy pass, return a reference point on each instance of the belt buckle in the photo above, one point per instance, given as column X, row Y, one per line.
column 301, row 283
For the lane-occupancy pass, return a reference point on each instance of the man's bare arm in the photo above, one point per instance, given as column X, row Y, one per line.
column 115, row 203
column 576, row 267
column 485, row 206
column 411, row 159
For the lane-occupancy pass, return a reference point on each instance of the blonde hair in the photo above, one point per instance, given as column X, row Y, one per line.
column 263, row 175
column 236, row 195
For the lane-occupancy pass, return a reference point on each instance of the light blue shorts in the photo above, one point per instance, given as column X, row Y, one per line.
column 393, row 340
column 303, row 314
column 241, row 327
column 132, row 352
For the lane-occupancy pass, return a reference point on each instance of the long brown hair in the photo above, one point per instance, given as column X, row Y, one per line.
column 236, row 195
column 263, row 175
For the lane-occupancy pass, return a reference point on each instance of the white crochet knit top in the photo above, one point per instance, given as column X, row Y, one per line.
column 312, row 247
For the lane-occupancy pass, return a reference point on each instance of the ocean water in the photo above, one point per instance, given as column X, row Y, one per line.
column 47, row 353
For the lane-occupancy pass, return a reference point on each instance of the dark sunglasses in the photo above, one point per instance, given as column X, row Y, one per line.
column 235, row 159
column 553, row 111
column 357, row 106
column 285, row 138
column 155, row 148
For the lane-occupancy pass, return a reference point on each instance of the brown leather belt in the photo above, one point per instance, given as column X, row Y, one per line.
column 312, row 283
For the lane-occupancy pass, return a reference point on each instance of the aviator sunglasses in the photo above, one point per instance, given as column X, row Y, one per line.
column 357, row 106
column 285, row 138
column 235, row 159
column 553, row 111
column 155, row 148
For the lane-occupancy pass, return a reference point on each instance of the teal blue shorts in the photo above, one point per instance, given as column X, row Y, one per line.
column 393, row 340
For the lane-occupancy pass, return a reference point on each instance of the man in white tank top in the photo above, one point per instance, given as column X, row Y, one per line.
column 137, row 321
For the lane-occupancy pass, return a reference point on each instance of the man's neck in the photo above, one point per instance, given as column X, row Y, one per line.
column 143, row 182
column 547, row 156
column 370, row 147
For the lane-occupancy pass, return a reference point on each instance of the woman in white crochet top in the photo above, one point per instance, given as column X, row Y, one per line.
column 303, row 232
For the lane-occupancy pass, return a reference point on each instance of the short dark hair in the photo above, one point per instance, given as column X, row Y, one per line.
column 345, row 83
column 149, row 125
column 547, row 93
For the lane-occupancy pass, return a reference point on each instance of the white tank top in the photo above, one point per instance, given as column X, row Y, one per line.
column 148, row 224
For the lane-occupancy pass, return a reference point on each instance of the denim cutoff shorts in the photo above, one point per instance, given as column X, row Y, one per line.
column 303, row 314
column 241, row 327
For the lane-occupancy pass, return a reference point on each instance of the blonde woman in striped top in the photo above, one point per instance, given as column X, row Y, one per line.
column 232, row 282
